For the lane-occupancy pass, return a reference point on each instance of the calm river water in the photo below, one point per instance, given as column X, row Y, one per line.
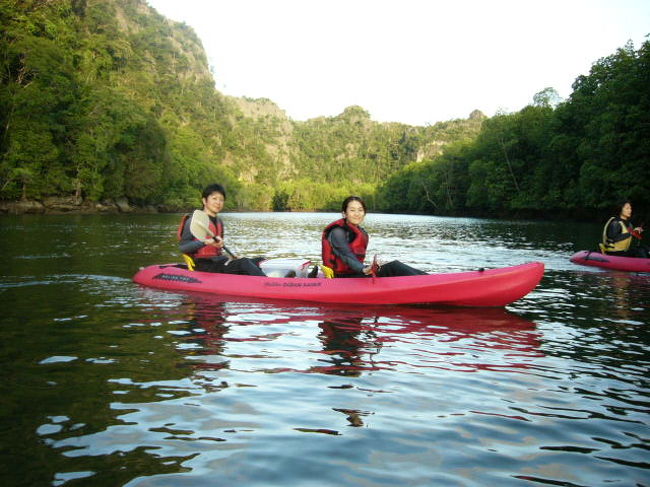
column 106, row 383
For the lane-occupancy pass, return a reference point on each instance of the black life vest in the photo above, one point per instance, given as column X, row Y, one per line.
column 358, row 241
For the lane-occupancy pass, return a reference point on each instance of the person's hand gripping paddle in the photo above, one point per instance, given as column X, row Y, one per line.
column 200, row 228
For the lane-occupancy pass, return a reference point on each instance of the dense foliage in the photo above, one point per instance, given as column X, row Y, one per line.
column 587, row 153
column 108, row 100
column 97, row 103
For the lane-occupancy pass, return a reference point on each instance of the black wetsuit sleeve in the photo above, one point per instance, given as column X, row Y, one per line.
column 339, row 239
column 615, row 233
column 188, row 245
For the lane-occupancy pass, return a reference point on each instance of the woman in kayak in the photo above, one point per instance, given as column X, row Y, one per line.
column 344, row 244
column 207, row 254
column 618, row 233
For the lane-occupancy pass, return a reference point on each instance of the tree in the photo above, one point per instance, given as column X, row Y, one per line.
column 548, row 98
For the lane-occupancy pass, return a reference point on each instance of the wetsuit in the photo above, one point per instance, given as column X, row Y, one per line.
column 617, row 239
column 344, row 248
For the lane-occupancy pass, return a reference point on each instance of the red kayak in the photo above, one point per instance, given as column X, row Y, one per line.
column 613, row 262
column 492, row 287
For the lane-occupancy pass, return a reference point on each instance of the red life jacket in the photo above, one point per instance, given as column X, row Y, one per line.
column 358, row 246
column 208, row 250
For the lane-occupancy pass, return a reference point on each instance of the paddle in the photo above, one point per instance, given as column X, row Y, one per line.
column 200, row 228
column 374, row 267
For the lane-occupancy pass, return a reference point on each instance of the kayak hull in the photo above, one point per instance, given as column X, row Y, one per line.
column 613, row 262
column 492, row 287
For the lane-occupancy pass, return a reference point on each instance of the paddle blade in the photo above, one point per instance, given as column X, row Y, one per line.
column 200, row 229
column 200, row 225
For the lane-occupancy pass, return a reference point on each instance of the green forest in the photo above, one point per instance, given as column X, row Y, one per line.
column 105, row 101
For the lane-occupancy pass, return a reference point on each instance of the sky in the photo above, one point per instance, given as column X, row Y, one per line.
column 411, row 61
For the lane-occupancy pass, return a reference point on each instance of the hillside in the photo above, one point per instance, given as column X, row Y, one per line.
column 109, row 101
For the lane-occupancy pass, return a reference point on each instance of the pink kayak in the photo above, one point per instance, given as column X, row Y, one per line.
column 492, row 287
column 613, row 262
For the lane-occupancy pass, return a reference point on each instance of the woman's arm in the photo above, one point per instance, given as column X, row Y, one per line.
column 339, row 239
column 188, row 244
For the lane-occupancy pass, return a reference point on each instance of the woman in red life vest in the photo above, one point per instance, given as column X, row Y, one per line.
column 344, row 243
column 207, row 254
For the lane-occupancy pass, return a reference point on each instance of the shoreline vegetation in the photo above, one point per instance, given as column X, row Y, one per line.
column 55, row 205
column 110, row 107
column 68, row 206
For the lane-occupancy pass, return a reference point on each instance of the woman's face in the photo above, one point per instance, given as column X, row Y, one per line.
column 213, row 204
column 626, row 211
column 354, row 213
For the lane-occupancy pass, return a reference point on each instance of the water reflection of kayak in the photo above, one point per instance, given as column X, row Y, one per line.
column 357, row 338
column 399, row 319
column 613, row 262
column 464, row 340
column 492, row 287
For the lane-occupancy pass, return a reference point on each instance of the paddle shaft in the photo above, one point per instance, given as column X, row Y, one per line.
column 374, row 267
